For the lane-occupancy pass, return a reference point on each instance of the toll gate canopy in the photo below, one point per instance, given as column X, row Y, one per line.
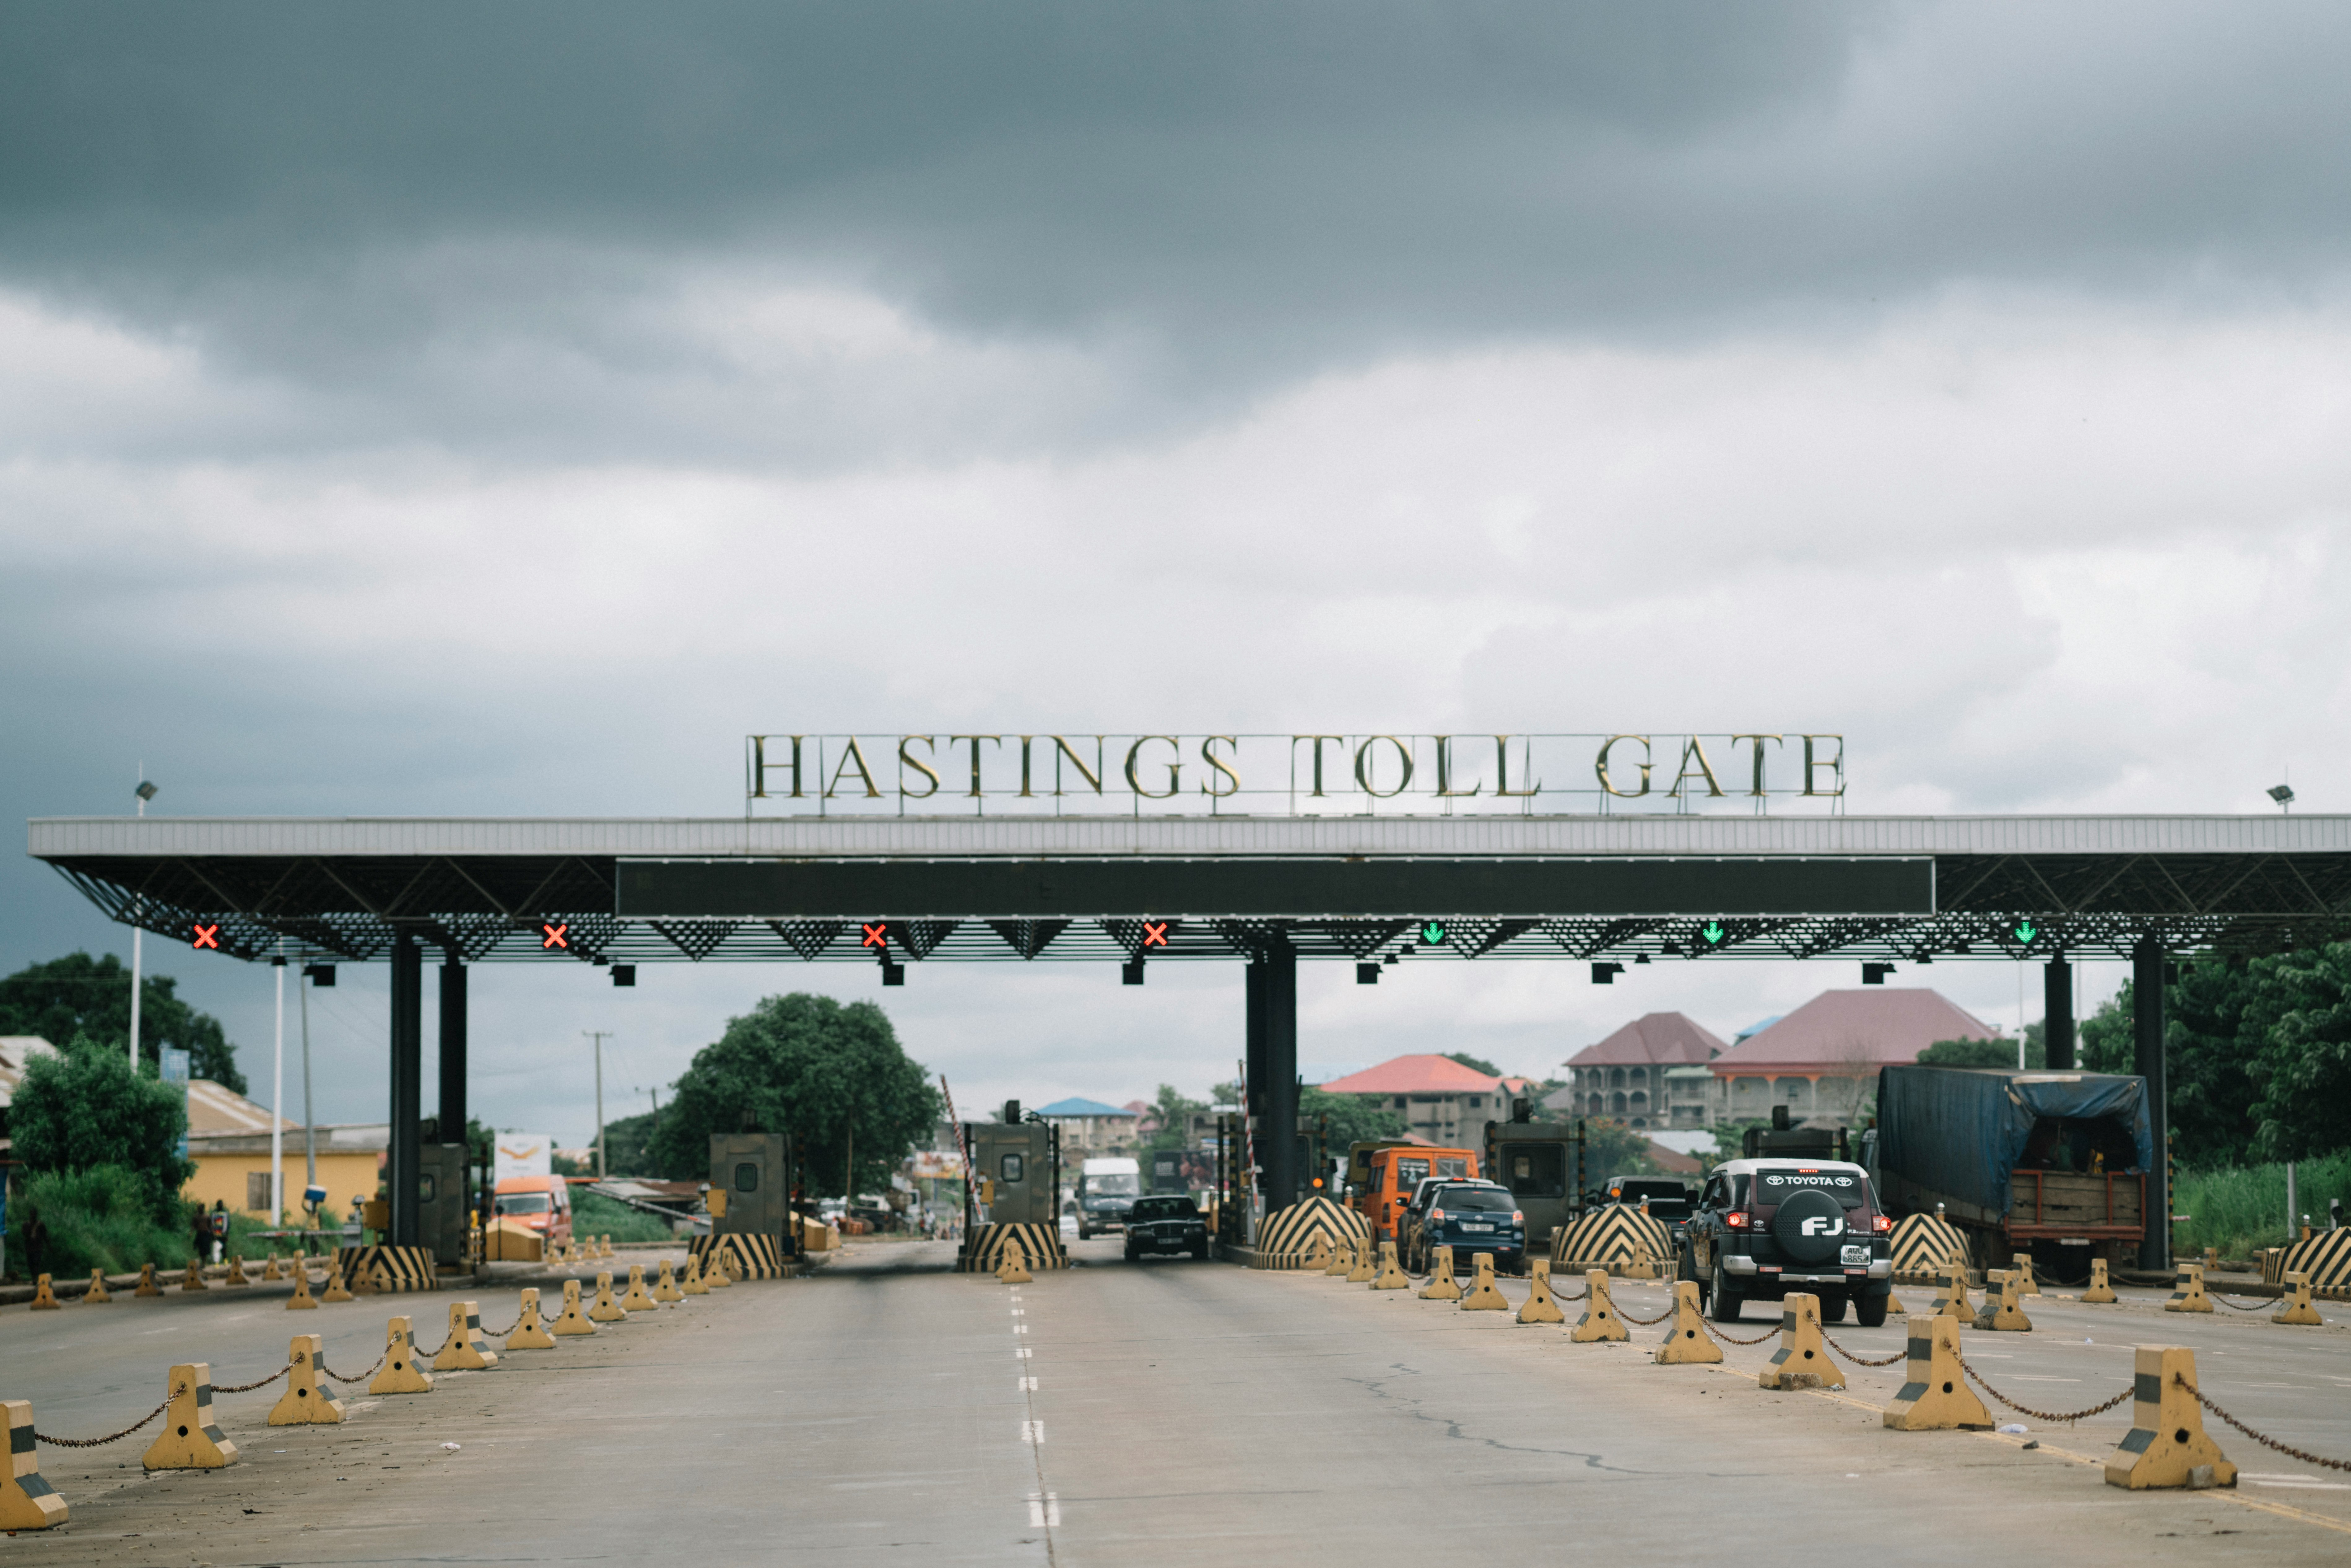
column 1268, row 892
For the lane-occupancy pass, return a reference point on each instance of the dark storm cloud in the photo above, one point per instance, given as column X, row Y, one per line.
column 1200, row 194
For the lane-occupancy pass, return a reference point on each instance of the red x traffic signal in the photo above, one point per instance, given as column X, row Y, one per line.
column 554, row 934
column 205, row 936
column 877, row 936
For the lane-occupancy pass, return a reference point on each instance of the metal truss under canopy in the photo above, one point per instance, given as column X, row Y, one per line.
column 955, row 889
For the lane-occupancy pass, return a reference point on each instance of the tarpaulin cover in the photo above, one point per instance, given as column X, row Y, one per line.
column 1960, row 1131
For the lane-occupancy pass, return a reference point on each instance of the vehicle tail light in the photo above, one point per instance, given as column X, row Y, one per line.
column 1736, row 1220
column 1437, row 1215
column 1518, row 1217
column 1881, row 1224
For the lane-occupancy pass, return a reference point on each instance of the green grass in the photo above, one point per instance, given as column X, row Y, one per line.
column 2241, row 1209
column 98, row 1218
column 593, row 1214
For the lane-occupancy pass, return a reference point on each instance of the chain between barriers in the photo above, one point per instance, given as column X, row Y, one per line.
column 361, row 1378
column 2043, row 1414
column 2261, row 1303
column 101, row 1442
column 2291, row 1452
column 249, row 1387
column 1902, row 1354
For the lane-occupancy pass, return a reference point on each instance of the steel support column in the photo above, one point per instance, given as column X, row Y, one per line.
column 2147, row 1030
column 453, row 1050
column 1278, row 1151
column 2057, row 1010
column 407, row 1085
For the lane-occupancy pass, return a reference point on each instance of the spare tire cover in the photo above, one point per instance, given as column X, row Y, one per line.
column 1809, row 1226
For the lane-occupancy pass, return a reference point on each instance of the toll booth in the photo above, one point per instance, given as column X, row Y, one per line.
column 1543, row 1164
column 1163, row 1172
column 751, row 1178
column 441, row 1202
column 1016, row 1167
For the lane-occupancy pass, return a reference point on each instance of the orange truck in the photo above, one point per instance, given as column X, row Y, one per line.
column 1392, row 1173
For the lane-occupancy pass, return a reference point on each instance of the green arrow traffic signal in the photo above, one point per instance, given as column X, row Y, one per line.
column 1432, row 932
column 1713, row 933
column 2026, row 931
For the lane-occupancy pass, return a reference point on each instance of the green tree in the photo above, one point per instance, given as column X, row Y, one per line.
column 2213, row 1034
column 2297, row 1024
column 79, row 995
column 1612, row 1148
column 629, row 1146
column 85, row 1108
column 1474, row 1063
column 1983, row 1053
column 1173, row 1112
column 805, row 1065
column 1353, row 1120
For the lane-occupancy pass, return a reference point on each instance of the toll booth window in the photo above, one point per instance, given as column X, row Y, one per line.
column 1535, row 1170
column 423, row 1185
column 1010, row 1167
column 746, row 1175
column 1457, row 1167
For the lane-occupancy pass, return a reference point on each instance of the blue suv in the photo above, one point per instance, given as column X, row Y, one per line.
column 1469, row 1217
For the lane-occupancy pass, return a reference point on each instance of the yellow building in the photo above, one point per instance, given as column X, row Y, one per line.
column 228, row 1139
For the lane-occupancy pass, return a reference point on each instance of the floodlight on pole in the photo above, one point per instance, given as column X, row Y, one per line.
column 146, row 792
column 2283, row 795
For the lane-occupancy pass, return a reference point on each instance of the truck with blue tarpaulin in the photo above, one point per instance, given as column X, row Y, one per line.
column 2020, row 1161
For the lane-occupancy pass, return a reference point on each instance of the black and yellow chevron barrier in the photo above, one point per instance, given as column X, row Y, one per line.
column 755, row 1257
column 984, row 1250
column 406, row 1268
column 1607, row 1237
column 2325, row 1258
column 1287, row 1237
column 1922, row 1245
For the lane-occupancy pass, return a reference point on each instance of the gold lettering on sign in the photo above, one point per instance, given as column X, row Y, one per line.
column 1208, row 755
column 1025, row 791
column 1319, row 741
column 1364, row 767
column 1092, row 776
column 975, row 739
column 907, row 760
column 1174, row 769
column 1692, row 750
column 759, row 765
column 1503, row 770
column 1835, row 765
column 1758, row 740
column 854, row 754
column 1600, row 765
column 1444, row 789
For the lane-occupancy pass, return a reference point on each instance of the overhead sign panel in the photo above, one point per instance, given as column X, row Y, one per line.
column 1336, row 887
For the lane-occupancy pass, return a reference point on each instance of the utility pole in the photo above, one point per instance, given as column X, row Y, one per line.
column 600, row 1036
column 145, row 792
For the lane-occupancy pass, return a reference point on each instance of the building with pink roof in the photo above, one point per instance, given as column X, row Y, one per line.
column 1822, row 1061
column 1625, row 1076
column 1439, row 1099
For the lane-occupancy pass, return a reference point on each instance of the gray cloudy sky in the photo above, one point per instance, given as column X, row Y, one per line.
column 451, row 410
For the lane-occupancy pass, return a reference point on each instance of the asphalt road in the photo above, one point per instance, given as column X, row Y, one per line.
column 1171, row 1412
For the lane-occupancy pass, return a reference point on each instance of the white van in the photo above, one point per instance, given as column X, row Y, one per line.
column 1106, row 1192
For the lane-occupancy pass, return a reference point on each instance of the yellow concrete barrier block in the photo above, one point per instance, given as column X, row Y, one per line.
column 2296, row 1307
column 337, row 1290
column 718, row 1272
column 26, row 1502
column 2023, row 1269
column 635, row 1300
column 605, row 1245
column 189, row 1440
column 401, row 1374
column 1599, row 1321
column 1643, row 1265
column 1391, row 1275
column 236, row 1275
column 1342, row 1258
column 97, row 1295
column 1012, row 1266
column 1952, row 1295
column 2187, row 1290
column 194, row 1278
column 302, row 1299
column 572, row 1320
column 45, row 1300
column 1935, row 1395
column 1318, row 1256
column 1803, row 1359
column 530, row 1329
column 1894, row 1307
column 1441, row 1286
column 463, row 1351
column 304, row 1402
column 606, row 1310
column 1362, row 1269
column 2100, row 1289
column 693, row 1284
column 665, row 1290
column 2001, row 1311
column 1686, row 1342
column 1541, row 1306
column 147, row 1285
column 1483, row 1296
column 270, row 1275
column 2166, row 1446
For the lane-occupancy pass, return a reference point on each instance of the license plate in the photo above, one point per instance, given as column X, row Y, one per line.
column 1852, row 1255
column 1476, row 1228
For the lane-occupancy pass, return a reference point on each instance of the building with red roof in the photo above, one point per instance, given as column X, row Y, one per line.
column 1633, row 1074
column 1822, row 1061
column 1439, row 1099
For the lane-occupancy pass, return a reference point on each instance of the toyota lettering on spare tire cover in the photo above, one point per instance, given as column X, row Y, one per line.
column 1810, row 1226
